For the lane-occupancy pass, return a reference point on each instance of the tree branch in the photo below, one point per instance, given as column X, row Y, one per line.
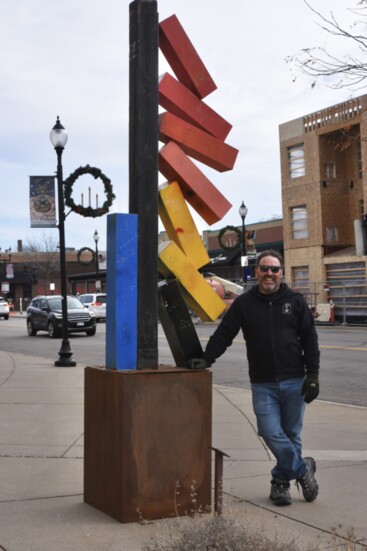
column 317, row 62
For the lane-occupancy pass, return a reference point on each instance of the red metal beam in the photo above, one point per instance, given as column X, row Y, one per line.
column 198, row 191
column 195, row 142
column 179, row 100
column 183, row 58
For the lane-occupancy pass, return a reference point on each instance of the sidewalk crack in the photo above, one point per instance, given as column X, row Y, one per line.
column 72, row 445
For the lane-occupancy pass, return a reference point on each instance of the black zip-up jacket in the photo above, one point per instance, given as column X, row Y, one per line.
column 279, row 331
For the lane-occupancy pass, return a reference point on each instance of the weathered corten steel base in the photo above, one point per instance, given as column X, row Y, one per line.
column 146, row 432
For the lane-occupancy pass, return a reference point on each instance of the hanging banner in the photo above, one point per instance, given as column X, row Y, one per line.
column 9, row 271
column 42, row 201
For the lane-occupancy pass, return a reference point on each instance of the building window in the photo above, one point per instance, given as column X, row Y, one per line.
column 361, row 207
column 301, row 279
column 296, row 160
column 329, row 171
column 301, row 284
column 332, row 235
column 299, row 222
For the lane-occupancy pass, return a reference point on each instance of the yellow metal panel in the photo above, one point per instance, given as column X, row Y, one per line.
column 197, row 292
column 180, row 225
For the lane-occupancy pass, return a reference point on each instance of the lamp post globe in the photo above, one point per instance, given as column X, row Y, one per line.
column 59, row 137
column 243, row 213
column 96, row 236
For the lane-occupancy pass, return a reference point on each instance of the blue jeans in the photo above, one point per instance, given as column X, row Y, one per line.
column 279, row 408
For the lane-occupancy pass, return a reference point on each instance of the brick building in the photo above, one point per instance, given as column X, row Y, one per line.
column 25, row 274
column 268, row 235
column 324, row 194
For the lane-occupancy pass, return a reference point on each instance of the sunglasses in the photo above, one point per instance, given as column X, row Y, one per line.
column 274, row 269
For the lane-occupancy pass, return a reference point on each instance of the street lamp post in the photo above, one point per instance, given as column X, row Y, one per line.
column 243, row 213
column 98, row 283
column 59, row 137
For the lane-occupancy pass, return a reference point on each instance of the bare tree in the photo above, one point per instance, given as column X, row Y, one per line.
column 45, row 259
column 342, row 71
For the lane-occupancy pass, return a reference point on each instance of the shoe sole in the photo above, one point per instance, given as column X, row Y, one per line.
column 281, row 502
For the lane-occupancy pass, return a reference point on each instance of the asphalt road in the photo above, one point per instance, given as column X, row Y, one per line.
column 343, row 375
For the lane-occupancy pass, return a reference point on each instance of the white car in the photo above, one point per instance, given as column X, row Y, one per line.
column 4, row 308
column 96, row 302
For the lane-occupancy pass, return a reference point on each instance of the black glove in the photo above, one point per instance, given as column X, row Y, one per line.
column 197, row 363
column 310, row 387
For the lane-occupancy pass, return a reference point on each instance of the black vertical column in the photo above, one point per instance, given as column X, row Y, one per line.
column 143, row 170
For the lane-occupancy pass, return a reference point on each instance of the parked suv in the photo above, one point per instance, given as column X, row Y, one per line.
column 96, row 302
column 45, row 314
column 4, row 308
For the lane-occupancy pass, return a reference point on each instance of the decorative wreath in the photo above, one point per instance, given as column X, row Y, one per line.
column 231, row 229
column 83, row 250
column 88, row 211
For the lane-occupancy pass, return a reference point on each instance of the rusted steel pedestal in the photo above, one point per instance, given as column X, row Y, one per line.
column 146, row 432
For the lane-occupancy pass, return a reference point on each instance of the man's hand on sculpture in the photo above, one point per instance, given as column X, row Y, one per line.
column 197, row 363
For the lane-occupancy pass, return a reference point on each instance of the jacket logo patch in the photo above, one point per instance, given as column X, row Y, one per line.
column 287, row 308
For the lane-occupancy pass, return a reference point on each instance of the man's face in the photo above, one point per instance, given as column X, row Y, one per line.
column 269, row 282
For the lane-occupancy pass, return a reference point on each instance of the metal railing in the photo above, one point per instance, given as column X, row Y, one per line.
column 347, row 299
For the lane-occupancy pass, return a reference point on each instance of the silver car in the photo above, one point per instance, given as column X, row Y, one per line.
column 4, row 308
column 96, row 302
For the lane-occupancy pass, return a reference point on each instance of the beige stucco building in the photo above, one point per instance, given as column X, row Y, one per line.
column 324, row 195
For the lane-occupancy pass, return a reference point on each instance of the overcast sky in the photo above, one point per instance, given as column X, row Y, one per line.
column 70, row 59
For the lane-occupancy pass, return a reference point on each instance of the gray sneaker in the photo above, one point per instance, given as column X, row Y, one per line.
column 279, row 492
column 310, row 488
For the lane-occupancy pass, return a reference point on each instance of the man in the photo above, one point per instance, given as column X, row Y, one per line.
column 283, row 357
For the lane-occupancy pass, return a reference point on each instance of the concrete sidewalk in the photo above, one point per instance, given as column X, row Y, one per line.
column 41, row 467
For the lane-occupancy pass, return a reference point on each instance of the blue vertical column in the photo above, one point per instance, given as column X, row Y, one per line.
column 122, row 291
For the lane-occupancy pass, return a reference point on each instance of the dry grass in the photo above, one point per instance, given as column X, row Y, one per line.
column 231, row 533
column 343, row 541
column 213, row 533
